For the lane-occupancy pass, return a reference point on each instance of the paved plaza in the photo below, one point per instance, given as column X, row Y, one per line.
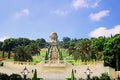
column 46, row 73
column 56, row 72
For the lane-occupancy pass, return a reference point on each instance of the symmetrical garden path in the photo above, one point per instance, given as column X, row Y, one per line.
column 48, row 73
column 54, row 72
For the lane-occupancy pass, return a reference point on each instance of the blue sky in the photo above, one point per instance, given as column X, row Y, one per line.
column 72, row 18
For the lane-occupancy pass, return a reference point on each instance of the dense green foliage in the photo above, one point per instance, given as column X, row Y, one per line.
column 8, row 45
column 95, row 78
column 100, row 48
column 41, row 43
column 4, row 76
column 22, row 53
column 1, row 45
column 104, row 76
column 84, row 49
column 11, row 77
column 111, row 52
column 22, row 47
column 15, row 77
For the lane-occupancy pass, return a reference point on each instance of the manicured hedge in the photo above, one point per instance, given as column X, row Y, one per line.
column 70, row 61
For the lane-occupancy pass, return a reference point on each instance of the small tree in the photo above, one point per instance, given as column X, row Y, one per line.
column 4, row 76
column 95, row 78
column 104, row 76
column 15, row 77
column 46, row 56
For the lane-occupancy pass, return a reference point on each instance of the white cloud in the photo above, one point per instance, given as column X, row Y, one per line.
column 85, row 4
column 99, row 15
column 95, row 4
column 23, row 12
column 3, row 38
column 60, row 12
column 102, row 31
column 79, row 4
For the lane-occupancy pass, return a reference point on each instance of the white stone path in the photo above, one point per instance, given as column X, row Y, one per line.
column 53, row 73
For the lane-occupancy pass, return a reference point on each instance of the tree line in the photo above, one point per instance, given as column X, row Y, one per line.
column 106, row 49
column 23, row 48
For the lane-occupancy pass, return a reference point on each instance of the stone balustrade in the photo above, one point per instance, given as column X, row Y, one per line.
column 54, row 63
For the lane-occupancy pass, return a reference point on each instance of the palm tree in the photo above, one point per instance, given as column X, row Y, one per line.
column 34, row 48
column 22, row 53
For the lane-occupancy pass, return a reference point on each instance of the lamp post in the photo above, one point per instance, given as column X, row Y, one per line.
column 88, row 73
column 25, row 73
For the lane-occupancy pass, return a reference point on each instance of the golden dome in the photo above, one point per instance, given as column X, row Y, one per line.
column 53, row 36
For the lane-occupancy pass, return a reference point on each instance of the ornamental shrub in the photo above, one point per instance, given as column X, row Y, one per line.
column 104, row 76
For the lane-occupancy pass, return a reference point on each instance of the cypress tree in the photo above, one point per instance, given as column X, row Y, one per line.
column 35, row 75
column 72, row 75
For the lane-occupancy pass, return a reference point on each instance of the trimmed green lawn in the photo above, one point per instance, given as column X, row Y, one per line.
column 37, row 60
column 65, row 55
